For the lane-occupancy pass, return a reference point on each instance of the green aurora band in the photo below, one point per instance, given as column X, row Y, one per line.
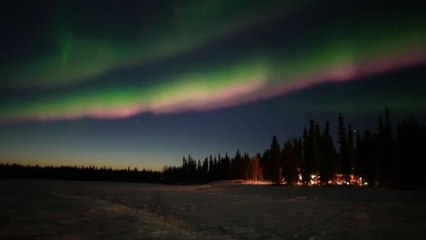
column 328, row 54
column 80, row 51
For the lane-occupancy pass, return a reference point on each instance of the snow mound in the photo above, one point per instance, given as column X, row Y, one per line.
column 239, row 182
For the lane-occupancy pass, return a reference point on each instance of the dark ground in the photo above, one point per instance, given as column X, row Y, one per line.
column 47, row 209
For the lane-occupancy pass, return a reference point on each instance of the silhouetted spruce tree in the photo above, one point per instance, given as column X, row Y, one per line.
column 358, row 168
column 367, row 153
column 329, row 159
column 190, row 170
column 199, row 172
column 205, row 169
column 307, row 157
column 211, row 169
column 311, row 151
column 318, row 155
column 289, row 162
column 351, row 151
column 380, row 157
column 221, row 172
column 298, row 143
column 226, row 166
column 245, row 173
column 343, row 148
column 271, row 162
column 236, row 166
column 216, row 168
column 264, row 164
column 256, row 170
column 391, row 166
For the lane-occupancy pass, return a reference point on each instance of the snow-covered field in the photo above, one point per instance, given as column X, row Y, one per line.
column 43, row 209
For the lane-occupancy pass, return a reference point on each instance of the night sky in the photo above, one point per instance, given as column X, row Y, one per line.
column 143, row 83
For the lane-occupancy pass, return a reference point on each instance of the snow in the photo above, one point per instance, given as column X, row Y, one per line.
column 47, row 209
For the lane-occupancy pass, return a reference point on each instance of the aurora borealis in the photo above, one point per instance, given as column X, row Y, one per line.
column 182, row 71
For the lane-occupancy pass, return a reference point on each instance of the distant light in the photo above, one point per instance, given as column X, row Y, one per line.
column 366, row 184
column 313, row 176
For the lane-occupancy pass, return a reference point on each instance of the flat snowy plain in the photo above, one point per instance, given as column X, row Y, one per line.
column 48, row 209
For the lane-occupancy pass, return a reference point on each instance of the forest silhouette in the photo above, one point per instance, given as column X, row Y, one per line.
column 383, row 157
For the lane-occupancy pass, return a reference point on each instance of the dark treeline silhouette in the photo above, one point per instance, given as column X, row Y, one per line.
column 79, row 173
column 380, row 157
column 241, row 166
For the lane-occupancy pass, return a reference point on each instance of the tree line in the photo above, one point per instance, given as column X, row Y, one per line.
column 79, row 173
column 381, row 157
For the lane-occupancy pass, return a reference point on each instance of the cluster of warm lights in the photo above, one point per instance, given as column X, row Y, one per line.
column 339, row 179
